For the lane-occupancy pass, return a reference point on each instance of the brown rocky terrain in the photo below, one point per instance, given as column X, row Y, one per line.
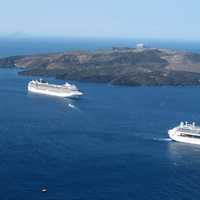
column 125, row 66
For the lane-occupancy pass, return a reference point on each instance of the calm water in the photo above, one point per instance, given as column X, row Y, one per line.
column 112, row 145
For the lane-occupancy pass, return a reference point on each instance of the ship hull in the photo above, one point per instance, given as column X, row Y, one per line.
column 176, row 137
column 52, row 93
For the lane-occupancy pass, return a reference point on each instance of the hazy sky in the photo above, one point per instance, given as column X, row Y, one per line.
column 102, row 18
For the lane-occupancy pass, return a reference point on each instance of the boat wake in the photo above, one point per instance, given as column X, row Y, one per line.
column 162, row 139
column 71, row 106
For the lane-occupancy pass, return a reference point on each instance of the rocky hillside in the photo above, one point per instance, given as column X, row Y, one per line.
column 127, row 66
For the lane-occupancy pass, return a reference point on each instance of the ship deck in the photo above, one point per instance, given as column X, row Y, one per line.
column 192, row 132
column 53, row 88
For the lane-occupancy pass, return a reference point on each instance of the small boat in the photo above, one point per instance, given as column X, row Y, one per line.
column 44, row 190
column 42, row 87
column 71, row 105
column 185, row 132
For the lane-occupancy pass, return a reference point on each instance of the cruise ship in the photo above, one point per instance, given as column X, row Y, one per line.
column 185, row 132
column 42, row 87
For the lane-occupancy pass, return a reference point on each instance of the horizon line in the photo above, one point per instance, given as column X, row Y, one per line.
column 27, row 36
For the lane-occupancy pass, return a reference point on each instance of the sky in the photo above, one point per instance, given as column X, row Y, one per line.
column 159, row 19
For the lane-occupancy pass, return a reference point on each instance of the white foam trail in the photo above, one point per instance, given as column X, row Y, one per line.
column 162, row 139
column 71, row 105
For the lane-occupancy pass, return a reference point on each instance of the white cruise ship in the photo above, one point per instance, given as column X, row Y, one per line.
column 187, row 133
column 42, row 87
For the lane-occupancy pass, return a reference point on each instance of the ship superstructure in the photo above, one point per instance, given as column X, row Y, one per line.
column 42, row 87
column 185, row 132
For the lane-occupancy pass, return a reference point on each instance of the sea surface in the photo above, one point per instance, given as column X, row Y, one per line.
column 112, row 144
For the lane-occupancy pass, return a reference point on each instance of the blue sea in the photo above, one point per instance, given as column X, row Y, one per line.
column 112, row 144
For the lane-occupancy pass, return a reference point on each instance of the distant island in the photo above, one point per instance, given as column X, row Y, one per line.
column 122, row 66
